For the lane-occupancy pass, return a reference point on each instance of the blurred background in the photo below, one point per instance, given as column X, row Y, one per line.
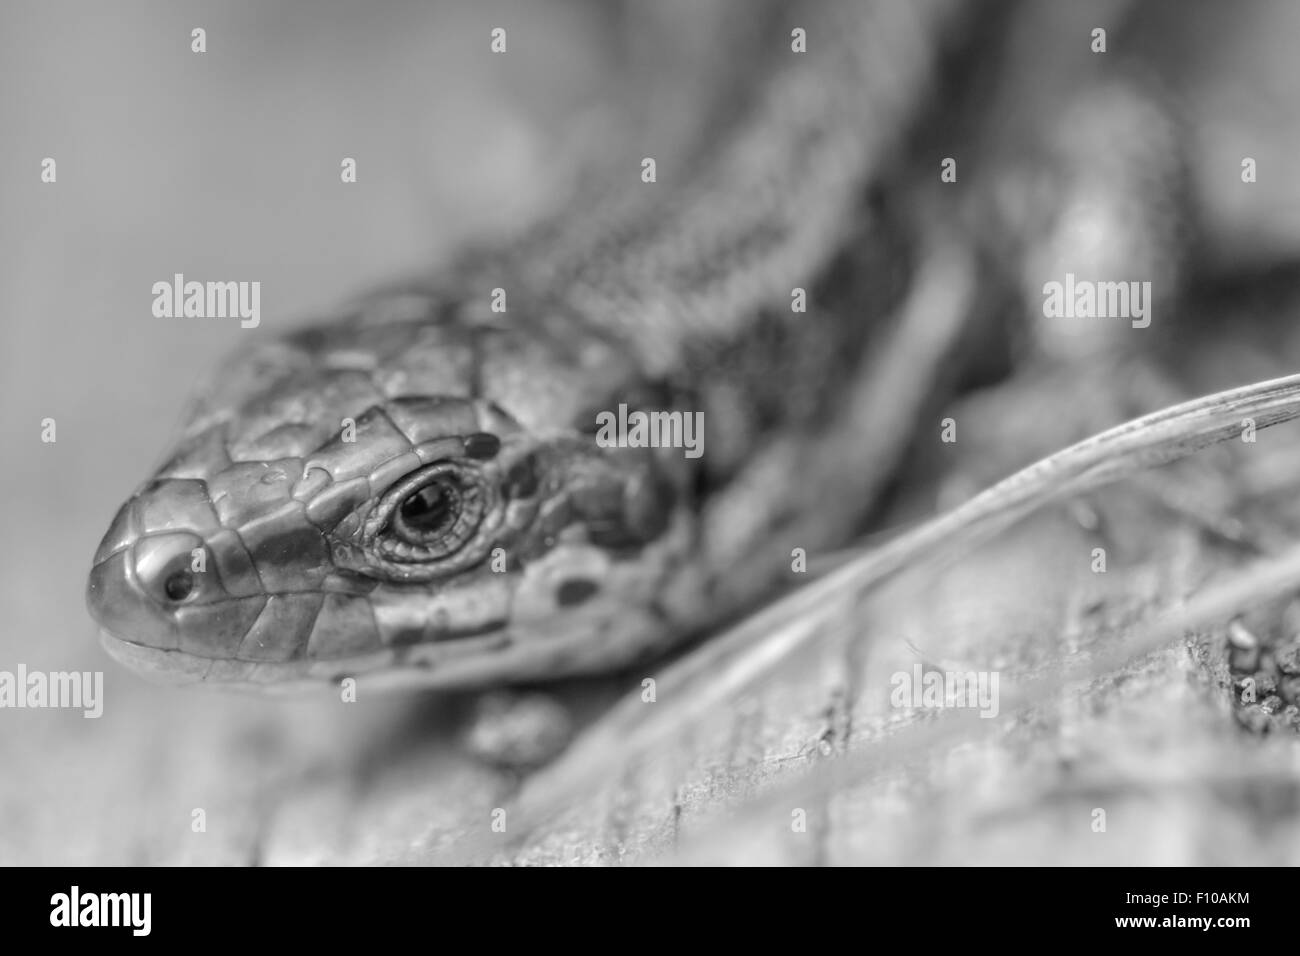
column 226, row 164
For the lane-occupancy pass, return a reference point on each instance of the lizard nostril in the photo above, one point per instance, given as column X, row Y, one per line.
column 165, row 568
column 178, row 585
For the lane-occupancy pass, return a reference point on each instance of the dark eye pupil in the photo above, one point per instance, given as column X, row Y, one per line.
column 431, row 508
column 178, row 585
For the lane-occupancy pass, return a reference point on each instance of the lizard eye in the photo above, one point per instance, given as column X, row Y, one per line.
column 431, row 514
column 431, row 510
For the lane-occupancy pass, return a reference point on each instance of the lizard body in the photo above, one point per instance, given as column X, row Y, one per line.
column 414, row 490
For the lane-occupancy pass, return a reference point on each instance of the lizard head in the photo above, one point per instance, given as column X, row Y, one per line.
column 431, row 506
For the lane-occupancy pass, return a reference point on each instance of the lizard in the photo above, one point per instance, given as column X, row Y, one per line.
column 411, row 492
column 473, row 535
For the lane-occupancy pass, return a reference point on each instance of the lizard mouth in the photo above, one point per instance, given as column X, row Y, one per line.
column 171, row 666
column 158, row 664
column 402, row 666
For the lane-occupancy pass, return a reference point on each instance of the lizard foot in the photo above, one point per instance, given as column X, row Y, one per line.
column 518, row 730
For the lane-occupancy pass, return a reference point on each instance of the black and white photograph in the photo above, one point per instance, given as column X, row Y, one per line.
column 693, row 433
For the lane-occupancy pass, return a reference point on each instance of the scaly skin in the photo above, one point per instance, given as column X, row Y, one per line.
column 474, row 533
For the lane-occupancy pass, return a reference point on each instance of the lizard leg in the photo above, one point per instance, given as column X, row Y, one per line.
column 517, row 729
